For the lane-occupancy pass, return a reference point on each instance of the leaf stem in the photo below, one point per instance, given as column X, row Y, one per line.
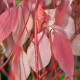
column 36, row 46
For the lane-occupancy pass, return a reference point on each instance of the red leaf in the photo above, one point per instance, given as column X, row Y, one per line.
column 60, row 13
column 7, row 22
column 41, row 16
column 63, row 54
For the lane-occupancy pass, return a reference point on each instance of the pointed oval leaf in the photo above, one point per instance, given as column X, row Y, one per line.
column 63, row 54
column 15, row 61
column 60, row 13
column 51, row 13
column 44, row 53
column 7, row 22
column 68, row 26
column 41, row 16
column 20, row 26
column 25, row 68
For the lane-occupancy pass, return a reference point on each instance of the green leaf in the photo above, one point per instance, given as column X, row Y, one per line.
column 17, row 2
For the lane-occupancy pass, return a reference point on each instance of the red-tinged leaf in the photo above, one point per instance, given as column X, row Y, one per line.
column 51, row 14
column 68, row 26
column 63, row 54
column 41, row 16
column 69, row 8
column 20, row 26
column 15, row 59
column 44, row 52
column 68, row 23
column 25, row 68
column 22, row 67
column 60, row 13
column 7, row 22
column 75, row 44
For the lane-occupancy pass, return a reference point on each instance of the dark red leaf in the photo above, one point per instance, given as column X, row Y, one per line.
column 2, row 6
column 53, row 3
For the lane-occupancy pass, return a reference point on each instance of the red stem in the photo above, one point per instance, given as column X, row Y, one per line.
column 27, row 29
column 6, row 60
column 76, row 72
column 5, row 73
column 26, row 24
column 36, row 46
column 52, row 55
column 74, row 35
column 33, row 75
column 49, row 69
column 56, row 75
